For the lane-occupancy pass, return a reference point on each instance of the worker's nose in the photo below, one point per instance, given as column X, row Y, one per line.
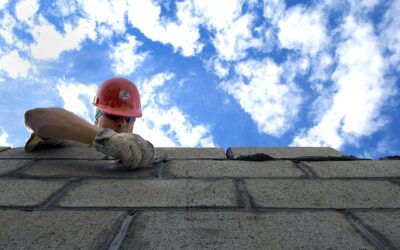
column 122, row 123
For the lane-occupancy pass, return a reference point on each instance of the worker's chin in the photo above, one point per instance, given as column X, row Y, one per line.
column 121, row 130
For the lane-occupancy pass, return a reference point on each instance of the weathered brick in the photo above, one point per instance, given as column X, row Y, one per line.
column 56, row 153
column 324, row 193
column 151, row 193
column 21, row 192
column 58, row 229
column 226, row 168
column 286, row 152
column 335, row 169
column 387, row 223
column 7, row 166
column 85, row 168
column 191, row 153
column 242, row 230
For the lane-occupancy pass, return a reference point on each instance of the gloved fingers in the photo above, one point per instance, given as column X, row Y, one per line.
column 126, row 158
column 147, row 150
column 108, row 147
column 133, row 156
column 132, row 149
column 137, row 153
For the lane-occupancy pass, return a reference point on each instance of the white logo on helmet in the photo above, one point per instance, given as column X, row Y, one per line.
column 124, row 94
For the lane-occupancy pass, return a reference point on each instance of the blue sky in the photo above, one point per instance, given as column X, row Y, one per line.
column 213, row 73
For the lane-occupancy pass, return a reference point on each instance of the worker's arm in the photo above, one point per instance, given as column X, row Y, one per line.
column 56, row 123
column 59, row 123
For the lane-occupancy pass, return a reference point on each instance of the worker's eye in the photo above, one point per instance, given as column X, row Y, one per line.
column 116, row 118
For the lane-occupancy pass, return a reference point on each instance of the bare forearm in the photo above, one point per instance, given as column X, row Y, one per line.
column 60, row 124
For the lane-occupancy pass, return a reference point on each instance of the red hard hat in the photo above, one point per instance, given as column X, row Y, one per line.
column 118, row 96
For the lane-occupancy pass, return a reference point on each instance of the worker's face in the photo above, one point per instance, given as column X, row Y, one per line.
column 120, row 126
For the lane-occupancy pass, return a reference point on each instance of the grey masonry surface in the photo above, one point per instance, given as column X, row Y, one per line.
column 291, row 152
column 324, row 193
column 26, row 192
column 191, row 153
column 66, row 153
column 91, row 153
column 243, row 230
column 85, row 168
column 207, row 168
column 3, row 148
column 272, row 198
column 152, row 193
column 347, row 169
column 387, row 223
column 9, row 166
column 57, row 229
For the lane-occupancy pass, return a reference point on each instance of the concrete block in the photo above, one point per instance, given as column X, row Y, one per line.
column 151, row 193
column 58, row 229
column 349, row 169
column 242, row 230
column 284, row 152
column 84, row 168
column 324, row 193
column 387, row 223
column 56, row 153
column 23, row 192
column 4, row 148
column 217, row 168
column 7, row 166
column 191, row 153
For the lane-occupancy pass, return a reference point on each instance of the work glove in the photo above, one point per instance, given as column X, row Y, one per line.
column 132, row 149
column 36, row 143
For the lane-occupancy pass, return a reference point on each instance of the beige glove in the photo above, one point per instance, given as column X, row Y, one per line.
column 35, row 143
column 132, row 149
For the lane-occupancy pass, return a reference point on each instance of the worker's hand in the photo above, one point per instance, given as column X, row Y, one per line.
column 132, row 149
column 147, row 150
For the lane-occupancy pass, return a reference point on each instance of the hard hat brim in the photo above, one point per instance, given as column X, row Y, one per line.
column 119, row 112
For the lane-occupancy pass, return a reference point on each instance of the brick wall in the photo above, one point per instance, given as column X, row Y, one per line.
column 245, row 198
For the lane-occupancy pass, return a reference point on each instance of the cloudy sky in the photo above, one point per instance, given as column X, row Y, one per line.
column 213, row 73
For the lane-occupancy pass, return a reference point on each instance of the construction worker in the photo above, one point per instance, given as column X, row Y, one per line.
column 118, row 105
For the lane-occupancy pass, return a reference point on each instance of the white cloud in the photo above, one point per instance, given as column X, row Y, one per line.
column 360, row 91
column 388, row 147
column 233, row 41
column 4, row 138
column 390, row 33
column 77, row 98
column 259, row 89
column 302, row 30
column 49, row 43
column 218, row 14
column 363, row 6
column 220, row 69
column 233, row 31
column 66, row 7
column 357, row 7
column 164, row 124
column 14, row 65
column 7, row 24
column 274, row 10
column 3, row 3
column 109, row 15
column 125, row 57
column 321, row 66
column 182, row 34
column 26, row 9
